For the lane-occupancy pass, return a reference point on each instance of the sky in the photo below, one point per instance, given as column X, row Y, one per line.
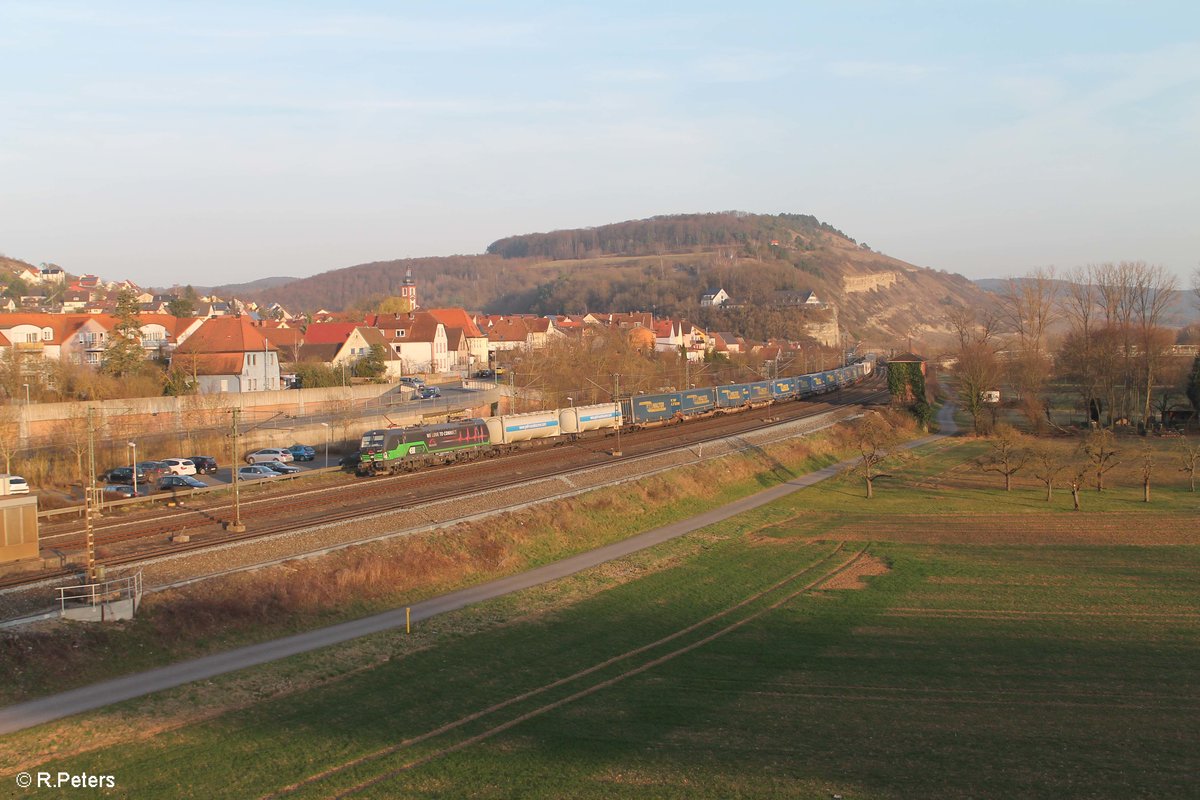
column 210, row 143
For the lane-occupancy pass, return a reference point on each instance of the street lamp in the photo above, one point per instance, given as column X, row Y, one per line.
column 133, row 466
column 571, row 400
column 325, row 425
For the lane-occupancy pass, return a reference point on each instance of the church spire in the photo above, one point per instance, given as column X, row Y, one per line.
column 409, row 290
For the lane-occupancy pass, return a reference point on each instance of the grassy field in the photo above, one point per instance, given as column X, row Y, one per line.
column 223, row 613
column 949, row 640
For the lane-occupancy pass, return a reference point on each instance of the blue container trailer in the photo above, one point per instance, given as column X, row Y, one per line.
column 760, row 392
column 734, row 395
column 697, row 401
column 647, row 409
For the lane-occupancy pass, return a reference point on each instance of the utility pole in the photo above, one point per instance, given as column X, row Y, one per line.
column 617, row 400
column 89, row 499
column 236, row 526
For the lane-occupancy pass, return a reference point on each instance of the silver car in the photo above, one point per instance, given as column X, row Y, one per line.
column 269, row 454
column 256, row 472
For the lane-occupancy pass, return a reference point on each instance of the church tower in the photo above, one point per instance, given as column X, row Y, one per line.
column 409, row 290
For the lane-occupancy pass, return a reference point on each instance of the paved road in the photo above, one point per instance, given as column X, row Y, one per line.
column 35, row 712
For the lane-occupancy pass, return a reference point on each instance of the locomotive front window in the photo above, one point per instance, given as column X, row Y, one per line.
column 372, row 440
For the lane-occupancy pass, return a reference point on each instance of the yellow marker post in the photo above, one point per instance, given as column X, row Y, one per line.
column 408, row 619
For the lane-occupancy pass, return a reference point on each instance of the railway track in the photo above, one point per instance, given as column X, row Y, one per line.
column 331, row 504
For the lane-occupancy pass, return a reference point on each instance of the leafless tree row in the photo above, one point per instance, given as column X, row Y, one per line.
column 1113, row 349
column 1089, row 460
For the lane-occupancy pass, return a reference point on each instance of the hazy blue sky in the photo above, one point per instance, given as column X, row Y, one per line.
column 211, row 142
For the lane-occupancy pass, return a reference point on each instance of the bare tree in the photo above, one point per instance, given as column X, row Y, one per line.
column 975, row 368
column 1029, row 306
column 73, row 433
column 971, row 327
column 1076, row 473
column 1189, row 459
column 1152, row 287
column 977, row 371
column 10, row 434
column 875, row 437
column 1047, row 463
column 343, row 415
column 1147, row 471
column 1099, row 448
column 1114, row 284
column 1081, row 308
column 1008, row 455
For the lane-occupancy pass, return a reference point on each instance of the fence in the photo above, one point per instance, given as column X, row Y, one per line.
column 101, row 602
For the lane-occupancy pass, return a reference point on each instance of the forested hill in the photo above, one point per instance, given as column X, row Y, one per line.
column 664, row 265
column 671, row 234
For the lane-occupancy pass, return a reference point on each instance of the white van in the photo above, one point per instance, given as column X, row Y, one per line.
column 13, row 484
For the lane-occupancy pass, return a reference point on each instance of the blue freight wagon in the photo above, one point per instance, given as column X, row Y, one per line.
column 735, row 395
column 783, row 388
column 804, row 386
column 651, row 409
column 760, row 393
column 695, row 402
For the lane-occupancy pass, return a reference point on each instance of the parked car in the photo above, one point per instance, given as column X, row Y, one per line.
column 429, row 392
column 122, row 491
column 13, row 484
column 302, row 452
column 204, row 464
column 176, row 482
column 255, row 472
column 415, row 383
column 485, row 373
column 180, row 466
column 269, row 454
column 153, row 469
column 280, row 467
column 125, row 475
column 350, row 460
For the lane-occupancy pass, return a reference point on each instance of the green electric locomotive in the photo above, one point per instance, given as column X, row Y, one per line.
column 392, row 450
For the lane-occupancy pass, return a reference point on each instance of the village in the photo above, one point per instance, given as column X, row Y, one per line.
column 230, row 346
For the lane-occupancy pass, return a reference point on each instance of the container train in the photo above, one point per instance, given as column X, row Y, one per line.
column 394, row 450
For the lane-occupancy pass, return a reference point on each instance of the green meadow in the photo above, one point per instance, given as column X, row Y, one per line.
column 785, row 653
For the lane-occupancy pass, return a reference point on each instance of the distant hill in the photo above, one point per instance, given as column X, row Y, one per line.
column 14, row 265
column 675, row 234
column 252, row 286
column 661, row 264
column 231, row 289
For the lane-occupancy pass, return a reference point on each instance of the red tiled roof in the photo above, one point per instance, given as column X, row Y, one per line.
column 328, row 332
column 512, row 330
column 226, row 335
column 209, row 363
column 424, row 328
column 455, row 318
column 374, row 336
column 322, row 353
column 283, row 337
